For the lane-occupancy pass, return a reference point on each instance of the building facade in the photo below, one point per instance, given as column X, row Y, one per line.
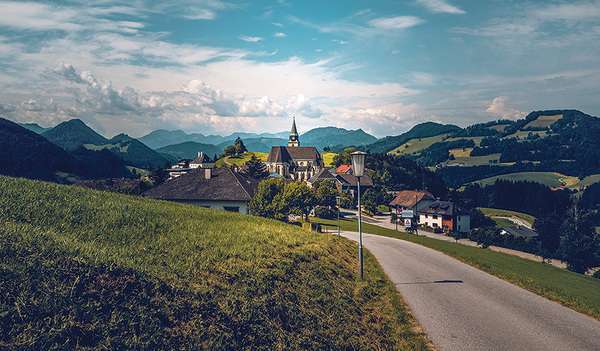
column 294, row 162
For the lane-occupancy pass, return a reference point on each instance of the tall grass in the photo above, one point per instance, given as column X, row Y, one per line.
column 91, row 270
column 577, row 291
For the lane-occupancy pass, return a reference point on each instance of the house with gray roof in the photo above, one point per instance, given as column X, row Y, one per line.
column 218, row 188
column 445, row 215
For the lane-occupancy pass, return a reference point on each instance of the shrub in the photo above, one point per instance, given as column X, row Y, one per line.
column 383, row 208
column 325, row 212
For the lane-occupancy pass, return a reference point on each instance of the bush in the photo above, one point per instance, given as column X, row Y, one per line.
column 325, row 212
column 596, row 274
column 383, row 208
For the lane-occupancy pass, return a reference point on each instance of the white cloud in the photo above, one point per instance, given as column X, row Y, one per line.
column 250, row 39
column 394, row 23
column 280, row 35
column 441, row 6
column 500, row 109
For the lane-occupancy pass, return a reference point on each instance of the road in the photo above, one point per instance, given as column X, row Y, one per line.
column 463, row 308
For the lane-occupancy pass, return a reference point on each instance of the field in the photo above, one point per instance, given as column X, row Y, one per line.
column 243, row 158
column 493, row 212
column 416, row 145
column 550, row 179
column 328, row 158
column 577, row 291
column 84, row 269
column 543, row 121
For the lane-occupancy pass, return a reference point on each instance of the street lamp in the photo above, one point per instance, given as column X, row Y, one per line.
column 338, row 200
column 358, row 167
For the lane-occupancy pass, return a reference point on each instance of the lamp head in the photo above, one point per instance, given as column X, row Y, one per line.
column 358, row 163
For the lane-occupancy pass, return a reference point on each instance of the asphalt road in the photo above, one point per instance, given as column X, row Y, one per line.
column 462, row 308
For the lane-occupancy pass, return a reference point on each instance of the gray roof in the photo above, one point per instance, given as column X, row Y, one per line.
column 444, row 208
column 223, row 185
column 410, row 198
column 521, row 231
column 350, row 179
column 322, row 174
column 202, row 158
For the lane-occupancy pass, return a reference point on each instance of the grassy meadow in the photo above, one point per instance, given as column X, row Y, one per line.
column 328, row 158
column 494, row 212
column 577, row 291
column 241, row 159
column 84, row 269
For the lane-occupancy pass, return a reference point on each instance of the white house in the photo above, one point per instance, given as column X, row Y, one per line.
column 445, row 215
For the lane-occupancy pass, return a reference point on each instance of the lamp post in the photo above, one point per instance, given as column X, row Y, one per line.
column 338, row 200
column 358, row 167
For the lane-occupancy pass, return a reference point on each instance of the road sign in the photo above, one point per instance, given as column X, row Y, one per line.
column 408, row 214
column 407, row 222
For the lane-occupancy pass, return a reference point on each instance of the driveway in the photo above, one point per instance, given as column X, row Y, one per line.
column 462, row 308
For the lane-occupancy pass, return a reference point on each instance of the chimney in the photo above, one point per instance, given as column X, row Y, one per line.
column 207, row 173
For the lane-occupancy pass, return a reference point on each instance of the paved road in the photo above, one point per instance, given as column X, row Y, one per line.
column 463, row 308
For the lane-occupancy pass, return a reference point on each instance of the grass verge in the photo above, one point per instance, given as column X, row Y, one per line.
column 83, row 269
column 576, row 291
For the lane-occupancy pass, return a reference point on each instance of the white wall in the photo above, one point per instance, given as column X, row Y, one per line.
column 220, row 205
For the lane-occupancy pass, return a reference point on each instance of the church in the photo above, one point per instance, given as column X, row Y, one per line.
column 294, row 161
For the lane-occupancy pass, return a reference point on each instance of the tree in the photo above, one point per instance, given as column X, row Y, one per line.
column 299, row 198
column 325, row 193
column 343, row 158
column 240, row 148
column 579, row 245
column 373, row 197
column 548, row 237
column 256, row 168
column 326, row 149
column 268, row 200
column 231, row 150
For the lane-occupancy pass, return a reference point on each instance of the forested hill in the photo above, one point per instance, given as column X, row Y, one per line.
column 423, row 130
column 24, row 153
column 74, row 134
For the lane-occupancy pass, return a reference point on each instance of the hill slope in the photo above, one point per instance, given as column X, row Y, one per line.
column 73, row 134
column 84, row 269
column 24, row 153
column 332, row 136
column 190, row 149
column 423, row 130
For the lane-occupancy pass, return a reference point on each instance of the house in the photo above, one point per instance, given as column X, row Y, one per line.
column 218, row 188
column 294, row 161
column 412, row 200
column 348, row 183
column 202, row 161
column 519, row 231
column 445, row 215
column 323, row 174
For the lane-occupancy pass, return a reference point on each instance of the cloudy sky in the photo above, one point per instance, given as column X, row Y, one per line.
column 216, row 67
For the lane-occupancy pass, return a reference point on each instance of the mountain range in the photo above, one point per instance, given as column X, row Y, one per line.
column 556, row 140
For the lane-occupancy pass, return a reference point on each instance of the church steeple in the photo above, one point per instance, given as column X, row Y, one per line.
column 294, row 135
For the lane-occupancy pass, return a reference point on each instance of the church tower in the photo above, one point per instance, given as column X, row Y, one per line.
column 294, row 142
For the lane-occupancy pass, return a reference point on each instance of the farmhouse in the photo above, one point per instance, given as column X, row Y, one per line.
column 218, row 188
column 412, row 200
column 445, row 215
column 294, row 161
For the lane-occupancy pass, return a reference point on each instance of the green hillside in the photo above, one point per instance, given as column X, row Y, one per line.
column 241, row 159
column 84, row 269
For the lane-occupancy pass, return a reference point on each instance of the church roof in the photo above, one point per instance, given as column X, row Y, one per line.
column 202, row 158
column 284, row 154
column 294, row 132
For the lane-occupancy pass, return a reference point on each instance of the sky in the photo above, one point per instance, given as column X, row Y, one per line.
column 218, row 67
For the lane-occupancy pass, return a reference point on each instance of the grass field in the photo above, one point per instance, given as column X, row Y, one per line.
column 243, row 158
column 328, row 158
column 577, row 291
column 543, row 121
column 478, row 160
column 493, row 212
column 84, row 269
column 550, row 179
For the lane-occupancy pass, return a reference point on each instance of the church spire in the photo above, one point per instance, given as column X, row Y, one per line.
column 294, row 135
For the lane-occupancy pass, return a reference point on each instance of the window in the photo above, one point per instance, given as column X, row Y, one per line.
column 426, row 215
column 232, row 208
column 434, row 216
column 458, row 219
column 459, row 226
column 435, row 225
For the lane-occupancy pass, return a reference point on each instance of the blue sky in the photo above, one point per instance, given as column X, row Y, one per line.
column 216, row 67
